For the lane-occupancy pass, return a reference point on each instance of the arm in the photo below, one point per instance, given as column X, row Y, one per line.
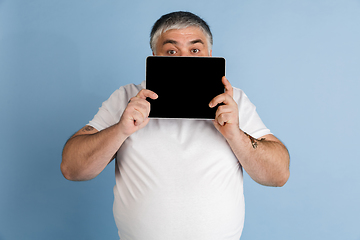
column 89, row 151
column 266, row 160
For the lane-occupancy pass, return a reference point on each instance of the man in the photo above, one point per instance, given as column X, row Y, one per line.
column 177, row 179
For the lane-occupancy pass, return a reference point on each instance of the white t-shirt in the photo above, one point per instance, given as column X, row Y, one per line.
column 177, row 179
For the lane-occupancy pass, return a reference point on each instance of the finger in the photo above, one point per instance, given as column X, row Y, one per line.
column 224, row 109
column 222, row 98
column 224, row 118
column 143, row 123
column 139, row 104
column 227, row 86
column 221, row 119
column 138, row 117
column 146, row 93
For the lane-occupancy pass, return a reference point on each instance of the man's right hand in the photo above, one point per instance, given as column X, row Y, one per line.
column 89, row 151
column 136, row 114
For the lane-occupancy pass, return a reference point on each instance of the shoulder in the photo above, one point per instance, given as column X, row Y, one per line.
column 111, row 110
column 119, row 99
column 134, row 87
column 131, row 88
column 240, row 97
column 126, row 92
column 238, row 91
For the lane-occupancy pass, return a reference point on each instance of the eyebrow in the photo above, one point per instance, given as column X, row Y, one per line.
column 197, row 41
column 169, row 41
column 175, row 42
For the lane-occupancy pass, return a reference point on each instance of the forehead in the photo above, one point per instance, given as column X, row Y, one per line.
column 184, row 34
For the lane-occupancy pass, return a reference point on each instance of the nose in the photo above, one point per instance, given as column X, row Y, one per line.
column 183, row 53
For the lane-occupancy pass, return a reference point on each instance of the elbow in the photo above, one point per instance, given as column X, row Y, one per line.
column 66, row 172
column 65, row 167
column 68, row 167
column 284, row 174
column 274, row 180
column 72, row 174
column 282, row 179
column 69, row 173
column 278, row 179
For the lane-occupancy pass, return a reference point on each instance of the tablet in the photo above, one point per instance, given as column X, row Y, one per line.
column 185, row 86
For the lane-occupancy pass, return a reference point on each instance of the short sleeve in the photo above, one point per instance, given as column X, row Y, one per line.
column 111, row 110
column 249, row 119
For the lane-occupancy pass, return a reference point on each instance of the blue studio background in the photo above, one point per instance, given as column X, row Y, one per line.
column 297, row 60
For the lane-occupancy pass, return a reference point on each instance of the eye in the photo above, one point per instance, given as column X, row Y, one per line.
column 171, row 52
column 195, row 50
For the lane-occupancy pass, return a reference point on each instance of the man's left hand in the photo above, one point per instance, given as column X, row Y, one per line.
column 227, row 115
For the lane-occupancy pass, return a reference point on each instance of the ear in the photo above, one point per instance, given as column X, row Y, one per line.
column 210, row 53
column 153, row 53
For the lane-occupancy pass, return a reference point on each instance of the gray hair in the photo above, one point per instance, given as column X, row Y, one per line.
column 178, row 20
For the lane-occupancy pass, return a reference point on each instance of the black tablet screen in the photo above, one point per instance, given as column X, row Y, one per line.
column 185, row 85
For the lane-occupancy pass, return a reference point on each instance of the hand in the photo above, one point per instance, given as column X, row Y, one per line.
column 227, row 115
column 136, row 114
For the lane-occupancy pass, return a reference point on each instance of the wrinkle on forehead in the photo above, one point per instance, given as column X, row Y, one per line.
column 187, row 36
column 187, row 33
